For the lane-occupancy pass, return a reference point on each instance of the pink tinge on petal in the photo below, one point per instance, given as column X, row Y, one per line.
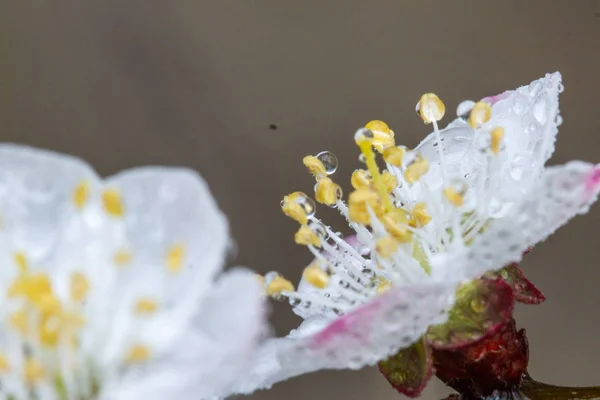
column 592, row 181
column 346, row 324
column 491, row 100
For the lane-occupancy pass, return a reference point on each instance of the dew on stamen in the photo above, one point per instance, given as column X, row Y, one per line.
column 319, row 230
column 294, row 301
column 368, row 272
column 464, row 109
column 329, row 160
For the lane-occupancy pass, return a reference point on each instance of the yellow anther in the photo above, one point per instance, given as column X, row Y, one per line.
column 19, row 321
column 35, row 288
column 113, row 204
column 72, row 320
column 122, row 258
column 278, row 285
column 419, row 216
column 454, row 196
column 480, row 114
column 21, row 261
column 497, row 136
column 49, row 330
column 431, row 108
column 316, row 276
column 383, row 136
column 383, row 285
column 81, row 194
column 79, row 286
column 4, row 365
column 48, row 304
column 394, row 156
column 396, row 227
column 260, row 279
column 386, row 246
column 145, row 306
column 298, row 206
column 359, row 202
column 360, row 179
column 174, row 259
column 389, row 181
column 367, row 151
column 314, row 165
column 378, row 126
column 137, row 353
column 34, row 371
column 327, row 192
column 305, row 236
column 416, row 170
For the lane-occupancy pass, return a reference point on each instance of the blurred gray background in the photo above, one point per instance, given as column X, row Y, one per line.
column 198, row 83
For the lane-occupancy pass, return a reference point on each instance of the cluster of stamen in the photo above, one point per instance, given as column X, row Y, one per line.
column 46, row 326
column 396, row 231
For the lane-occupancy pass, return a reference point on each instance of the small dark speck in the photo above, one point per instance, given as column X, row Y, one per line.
column 273, row 127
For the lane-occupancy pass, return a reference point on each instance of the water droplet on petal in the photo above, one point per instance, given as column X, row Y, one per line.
column 539, row 112
column 520, row 105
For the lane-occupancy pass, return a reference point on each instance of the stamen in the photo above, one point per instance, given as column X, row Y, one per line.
column 175, row 257
column 394, row 156
column 19, row 321
column 79, row 287
column 277, row 285
column 34, row 372
column 480, row 114
column 137, row 353
column 383, row 136
column 497, row 135
column 453, row 196
column 298, row 206
column 389, row 182
column 386, row 246
column 364, row 139
column 305, row 236
column 81, row 194
column 395, row 225
column 419, row 216
column 4, row 365
column 314, row 275
column 430, row 108
column 360, row 179
column 145, row 306
column 113, row 205
column 21, row 261
column 122, row 258
column 314, row 165
column 383, row 285
column 358, row 202
column 327, row 192
column 416, row 169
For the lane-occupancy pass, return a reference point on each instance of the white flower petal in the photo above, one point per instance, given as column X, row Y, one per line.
column 529, row 116
column 562, row 193
column 362, row 337
column 37, row 208
column 211, row 354
column 165, row 208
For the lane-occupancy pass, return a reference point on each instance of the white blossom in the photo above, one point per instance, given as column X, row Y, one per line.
column 111, row 289
column 469, row 199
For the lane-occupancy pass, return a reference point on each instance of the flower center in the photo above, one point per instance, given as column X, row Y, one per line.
column 426, row 201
